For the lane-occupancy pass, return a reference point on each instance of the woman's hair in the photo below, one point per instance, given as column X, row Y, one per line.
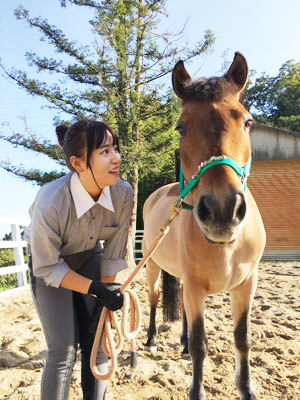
column 82, row 138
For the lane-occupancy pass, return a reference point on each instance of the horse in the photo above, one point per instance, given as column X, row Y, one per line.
column 217, row 239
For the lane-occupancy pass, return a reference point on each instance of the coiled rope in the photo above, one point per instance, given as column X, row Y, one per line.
column 131, row 303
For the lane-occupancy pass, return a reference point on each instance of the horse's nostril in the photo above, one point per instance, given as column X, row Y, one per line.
column 240, row 208
column 205, row 208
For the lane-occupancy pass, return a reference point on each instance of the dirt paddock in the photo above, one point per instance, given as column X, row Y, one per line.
column 275, row 357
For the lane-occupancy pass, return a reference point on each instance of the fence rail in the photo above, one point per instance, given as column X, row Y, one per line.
column 18, row 245
column 20, row 268
column 138, row 245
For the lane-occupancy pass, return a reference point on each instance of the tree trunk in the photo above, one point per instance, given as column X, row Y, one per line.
column 135, row 113
column 132, row 229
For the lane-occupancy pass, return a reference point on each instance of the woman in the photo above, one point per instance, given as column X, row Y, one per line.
column 68, row 219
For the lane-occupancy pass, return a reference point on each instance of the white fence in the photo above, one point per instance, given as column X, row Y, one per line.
column 138, row 245
column 18, row 245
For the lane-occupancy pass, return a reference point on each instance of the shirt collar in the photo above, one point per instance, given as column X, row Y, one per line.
column 83, row 200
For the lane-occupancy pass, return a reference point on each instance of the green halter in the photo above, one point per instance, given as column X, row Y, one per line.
column 203, row 167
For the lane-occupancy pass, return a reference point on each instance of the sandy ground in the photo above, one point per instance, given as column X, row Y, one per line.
column 275, row 357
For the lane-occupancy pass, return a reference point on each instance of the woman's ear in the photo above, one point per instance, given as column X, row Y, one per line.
column 78, row 164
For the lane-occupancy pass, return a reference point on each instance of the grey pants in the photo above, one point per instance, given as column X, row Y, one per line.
column 65, row 317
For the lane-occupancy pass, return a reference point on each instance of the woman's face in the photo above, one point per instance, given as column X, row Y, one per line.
column 105, row 163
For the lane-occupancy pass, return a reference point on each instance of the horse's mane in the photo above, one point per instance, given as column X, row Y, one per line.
column 210, row 89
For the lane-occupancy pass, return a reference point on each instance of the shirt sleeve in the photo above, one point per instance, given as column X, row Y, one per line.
column 115, row 247
column 46, row 243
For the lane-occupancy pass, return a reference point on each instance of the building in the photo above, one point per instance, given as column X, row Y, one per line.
column 275, row 184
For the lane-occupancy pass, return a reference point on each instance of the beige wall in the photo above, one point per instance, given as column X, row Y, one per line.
column 275, row 186
column 274, row 144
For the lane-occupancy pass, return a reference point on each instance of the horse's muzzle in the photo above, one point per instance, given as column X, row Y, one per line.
column 221, row 217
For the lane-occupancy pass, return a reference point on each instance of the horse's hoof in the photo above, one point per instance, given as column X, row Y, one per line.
column 183, row 340
column 250, row 396
column 196, row 394
column 186, row 356
column 185, row 352
column 152, row 348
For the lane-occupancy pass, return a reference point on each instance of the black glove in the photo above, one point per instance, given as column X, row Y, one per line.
column 108, row 294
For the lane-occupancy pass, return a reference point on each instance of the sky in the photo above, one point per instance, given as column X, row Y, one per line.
column 266, row 32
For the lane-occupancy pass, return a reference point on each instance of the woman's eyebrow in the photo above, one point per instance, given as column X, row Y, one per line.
column 103, row 145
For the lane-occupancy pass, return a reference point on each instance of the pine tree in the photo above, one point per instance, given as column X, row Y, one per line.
column 120, row 79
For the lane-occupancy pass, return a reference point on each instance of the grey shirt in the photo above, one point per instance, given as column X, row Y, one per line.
column 55, row 230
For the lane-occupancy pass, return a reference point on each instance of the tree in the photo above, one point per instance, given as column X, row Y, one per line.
column 276, row 100
column 119, row 78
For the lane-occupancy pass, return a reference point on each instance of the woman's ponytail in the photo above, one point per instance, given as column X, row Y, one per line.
column 61, row 132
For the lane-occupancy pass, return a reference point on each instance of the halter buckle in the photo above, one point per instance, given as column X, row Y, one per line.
column 175, row 210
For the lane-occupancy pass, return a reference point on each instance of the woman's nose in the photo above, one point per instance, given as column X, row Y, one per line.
column 116, row 157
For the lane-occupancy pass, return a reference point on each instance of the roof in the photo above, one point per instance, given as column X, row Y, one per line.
column 275, row 129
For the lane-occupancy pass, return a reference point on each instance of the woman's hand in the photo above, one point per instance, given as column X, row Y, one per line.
column 108, row 294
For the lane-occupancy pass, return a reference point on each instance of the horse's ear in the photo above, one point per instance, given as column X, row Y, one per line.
column 180, row 77
column 238, row 72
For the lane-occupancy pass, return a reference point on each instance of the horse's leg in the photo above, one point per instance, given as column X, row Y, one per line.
column 153, row 273
column 184, row 333
column 194, row 299
column 241, row 302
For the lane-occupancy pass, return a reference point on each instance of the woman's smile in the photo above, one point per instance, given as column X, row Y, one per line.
column 115, row 171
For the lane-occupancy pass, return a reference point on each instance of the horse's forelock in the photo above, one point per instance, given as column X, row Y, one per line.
column 210, row 89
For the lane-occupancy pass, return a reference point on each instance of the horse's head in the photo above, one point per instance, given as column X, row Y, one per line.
column 214, row 123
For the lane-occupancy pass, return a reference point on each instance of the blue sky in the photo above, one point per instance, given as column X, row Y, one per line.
column 267, row 32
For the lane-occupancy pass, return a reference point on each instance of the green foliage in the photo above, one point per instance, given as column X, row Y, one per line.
column 276, row 100
column 7, row 259
column 8, row 282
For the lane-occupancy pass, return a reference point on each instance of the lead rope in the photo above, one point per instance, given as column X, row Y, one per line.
column 131, row 302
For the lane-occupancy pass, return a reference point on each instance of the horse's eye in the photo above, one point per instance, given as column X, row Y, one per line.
column 248, row 123
column 181, row 128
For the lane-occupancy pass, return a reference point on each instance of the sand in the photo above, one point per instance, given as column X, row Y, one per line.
column 275, row 356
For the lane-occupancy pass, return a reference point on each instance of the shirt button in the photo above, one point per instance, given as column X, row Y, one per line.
column 91, row 238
